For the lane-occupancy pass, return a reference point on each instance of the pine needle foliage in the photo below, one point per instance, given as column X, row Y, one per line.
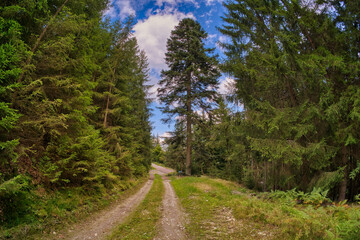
column 62, row 68
column 190, row 83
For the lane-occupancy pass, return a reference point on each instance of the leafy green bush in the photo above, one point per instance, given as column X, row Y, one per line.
column 316, row 197
column 15, row 199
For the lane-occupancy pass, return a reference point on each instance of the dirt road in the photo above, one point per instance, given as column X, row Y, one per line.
column 172, row 222
column 101, row 224
column 162, row 171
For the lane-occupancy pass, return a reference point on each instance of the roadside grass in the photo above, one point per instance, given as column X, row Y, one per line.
column 219, row 209
column 143, row 223
column 52, row 211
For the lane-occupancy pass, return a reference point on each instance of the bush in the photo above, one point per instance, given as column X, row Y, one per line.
column 316, row 197
column 15, row 199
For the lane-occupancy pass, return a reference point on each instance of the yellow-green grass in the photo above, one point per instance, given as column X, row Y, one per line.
column 143, row 223
column 218, row 209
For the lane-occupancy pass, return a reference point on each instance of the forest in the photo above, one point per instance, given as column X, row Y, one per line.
column 296, row 72
column 75, row 110
column 73, row 105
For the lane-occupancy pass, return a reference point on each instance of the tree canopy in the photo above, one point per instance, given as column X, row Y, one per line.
column 191, row 81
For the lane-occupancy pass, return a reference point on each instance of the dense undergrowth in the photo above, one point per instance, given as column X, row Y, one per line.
column 236, row 212
column 35, row 212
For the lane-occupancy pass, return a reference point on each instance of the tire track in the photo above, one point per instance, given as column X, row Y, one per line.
column 103, row 223
column 172, row 227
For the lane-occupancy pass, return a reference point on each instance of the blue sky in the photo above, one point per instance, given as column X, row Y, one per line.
column 155, row 19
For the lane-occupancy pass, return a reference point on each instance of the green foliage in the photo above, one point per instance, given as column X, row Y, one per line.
column 176, row 147
column 190, row 83
column 157, row 154
column 327, row 180
column 11, row 50
column 54, row 81
column 316, row 197
column 15, row 199
column 296, row 67
column 193, row 73
column 47, row 210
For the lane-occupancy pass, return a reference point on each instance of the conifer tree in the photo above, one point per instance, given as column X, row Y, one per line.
column 296, row 66
column 176, row 147
column 190, row 82
column 12, row 48
column 276, row 58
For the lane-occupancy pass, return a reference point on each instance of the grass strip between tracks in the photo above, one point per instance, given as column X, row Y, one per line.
column 144, row 222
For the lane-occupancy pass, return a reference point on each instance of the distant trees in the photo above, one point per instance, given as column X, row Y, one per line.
column 190, row 82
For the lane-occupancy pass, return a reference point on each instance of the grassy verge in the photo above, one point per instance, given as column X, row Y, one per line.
column 143, row 223
column 53, row 211
column 218, row 209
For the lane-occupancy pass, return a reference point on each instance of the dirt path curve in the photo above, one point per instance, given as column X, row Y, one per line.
column 173, row 218
column 102, row 223
column 162, row 171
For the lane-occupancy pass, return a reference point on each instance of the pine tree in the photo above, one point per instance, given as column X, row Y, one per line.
column 190, row 82
column 176, row 147
column 279, row 51
column 12, row 48
column 123, row 114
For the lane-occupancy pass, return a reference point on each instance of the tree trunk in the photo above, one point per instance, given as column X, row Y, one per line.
column 108, row 96
column 343, row 184
column 188, row 130
column 107, row 108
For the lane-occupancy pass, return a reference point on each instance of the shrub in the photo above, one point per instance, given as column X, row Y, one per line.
column 15, row 199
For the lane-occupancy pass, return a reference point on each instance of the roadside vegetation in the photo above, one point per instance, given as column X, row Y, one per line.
column 218, row 209
column 50, row 211
column 144, row 222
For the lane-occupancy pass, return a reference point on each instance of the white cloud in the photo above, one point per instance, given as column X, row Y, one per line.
column 164, row 136
column 110, row 12
column 227, row 86
column 211, row 36
column 153, row 92
column 125, row 8
column 176, row 2
column 119, row 8
column 152, row 34
column 223, row 39
column 161, row 2
column 211, row 2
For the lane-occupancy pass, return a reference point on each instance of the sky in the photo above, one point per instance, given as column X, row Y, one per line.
column 155, row 19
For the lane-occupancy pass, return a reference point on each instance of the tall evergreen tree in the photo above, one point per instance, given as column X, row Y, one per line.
column 296, row 66
column 123, row 114
column 12, row 48
column 190, row 82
